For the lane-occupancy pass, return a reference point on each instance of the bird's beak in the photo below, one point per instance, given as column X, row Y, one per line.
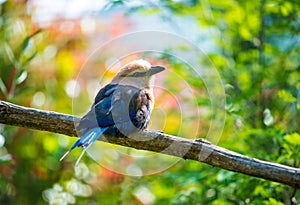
column 155, row 69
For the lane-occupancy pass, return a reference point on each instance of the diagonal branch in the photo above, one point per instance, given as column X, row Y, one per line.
column 198, row 150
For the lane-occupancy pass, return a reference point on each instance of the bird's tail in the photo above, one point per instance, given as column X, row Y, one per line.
column 86, row 140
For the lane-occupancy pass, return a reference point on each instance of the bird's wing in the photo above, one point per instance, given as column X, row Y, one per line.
column 99, row 113
column 105, row 92
column 114, row 104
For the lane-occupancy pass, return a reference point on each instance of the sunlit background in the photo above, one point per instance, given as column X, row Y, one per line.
column 52, row 58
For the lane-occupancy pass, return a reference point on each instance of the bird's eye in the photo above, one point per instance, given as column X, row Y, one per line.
column 138, row 74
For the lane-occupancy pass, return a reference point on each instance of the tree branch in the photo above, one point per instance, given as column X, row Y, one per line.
column 198, row 150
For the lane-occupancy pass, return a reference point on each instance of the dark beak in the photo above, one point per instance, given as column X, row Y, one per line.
column 155, row 69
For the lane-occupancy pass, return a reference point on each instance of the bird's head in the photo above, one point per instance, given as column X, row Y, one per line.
column 138, row 73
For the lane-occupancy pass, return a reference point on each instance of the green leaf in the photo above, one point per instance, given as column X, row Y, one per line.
column 273, row 201
column 293, row 138
column 21, row 77
column 26, row 41
column 3, row 87
column 10, row 53
column 244, row 79
column 29, row 59
column 286, row 96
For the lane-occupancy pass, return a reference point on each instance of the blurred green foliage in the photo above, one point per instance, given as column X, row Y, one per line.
column 257, row 57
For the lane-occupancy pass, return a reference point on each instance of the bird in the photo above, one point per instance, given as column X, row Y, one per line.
column 122, row 106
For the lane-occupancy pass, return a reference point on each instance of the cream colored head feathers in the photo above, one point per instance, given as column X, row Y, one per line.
column 138, row 73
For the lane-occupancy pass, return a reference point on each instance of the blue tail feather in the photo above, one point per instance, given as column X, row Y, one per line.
column 86, row 140
column 76, row 144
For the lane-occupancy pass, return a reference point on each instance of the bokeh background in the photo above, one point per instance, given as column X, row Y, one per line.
column 254, row 45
